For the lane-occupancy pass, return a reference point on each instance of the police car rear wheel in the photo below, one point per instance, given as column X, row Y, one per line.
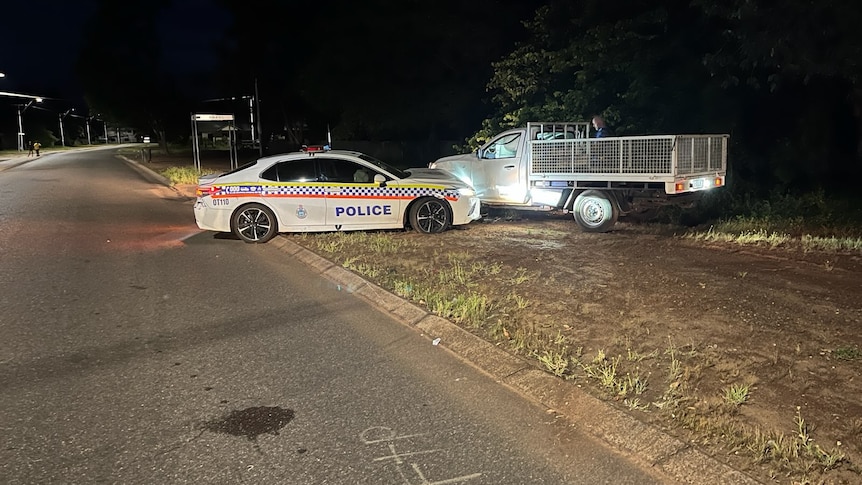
column 254, row 223
column 430, row 215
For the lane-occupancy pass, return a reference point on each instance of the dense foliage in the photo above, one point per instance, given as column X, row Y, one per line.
column 780, row 77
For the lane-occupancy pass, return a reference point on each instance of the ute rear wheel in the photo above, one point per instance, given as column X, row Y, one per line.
column 430, row 215
column 595, row 211
column 254, row 223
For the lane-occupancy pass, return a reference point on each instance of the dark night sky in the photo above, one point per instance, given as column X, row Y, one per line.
column 41, row 40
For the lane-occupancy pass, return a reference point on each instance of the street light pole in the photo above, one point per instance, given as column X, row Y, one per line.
column 21, row 109
column 62, row 134
column 20, row 130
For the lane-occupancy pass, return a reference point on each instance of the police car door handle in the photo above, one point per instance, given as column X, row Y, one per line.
column 334, row 190
column 509, row 167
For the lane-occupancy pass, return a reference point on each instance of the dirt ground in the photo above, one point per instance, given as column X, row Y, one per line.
column 687, row 318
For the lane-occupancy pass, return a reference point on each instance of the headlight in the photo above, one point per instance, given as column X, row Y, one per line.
column 467, row 192
column 432, row 165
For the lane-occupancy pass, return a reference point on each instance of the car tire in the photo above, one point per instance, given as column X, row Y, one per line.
column 595, row 211
column 430, row 215
column 254, row 223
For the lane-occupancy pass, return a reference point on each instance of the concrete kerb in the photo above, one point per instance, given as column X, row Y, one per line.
column 622, row 432
column 12, row 162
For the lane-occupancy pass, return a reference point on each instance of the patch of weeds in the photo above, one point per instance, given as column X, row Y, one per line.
column 847, row 353
column 440, row 305
column 557, row 363
column 675, row 366
column 471, row 309
column 518, row 340
column 184, row 175
column 329, row 245
column 499, row 331
column 366, row 269
column 559, row 340
column 520, row 276
column 520, row 302
column 635, row 356
column 603, row 370
column 482, row 268
column 457, row 273
column 737, row 394
column 378, row 242
column 404, row 289
column 804, row 442
column 630, row 384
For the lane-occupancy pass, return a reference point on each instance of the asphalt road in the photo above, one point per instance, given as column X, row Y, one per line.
column 136, row 349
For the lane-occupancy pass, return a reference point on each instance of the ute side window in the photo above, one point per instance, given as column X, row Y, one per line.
column 504, row 147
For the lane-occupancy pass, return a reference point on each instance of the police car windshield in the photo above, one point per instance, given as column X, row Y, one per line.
column 385, row 166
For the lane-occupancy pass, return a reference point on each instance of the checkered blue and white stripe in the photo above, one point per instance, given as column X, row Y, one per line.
column 343, row 191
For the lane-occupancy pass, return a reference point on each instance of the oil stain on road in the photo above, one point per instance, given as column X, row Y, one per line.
column 252, row 422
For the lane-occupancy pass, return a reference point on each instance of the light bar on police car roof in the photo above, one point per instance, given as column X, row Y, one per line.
column 314, row 148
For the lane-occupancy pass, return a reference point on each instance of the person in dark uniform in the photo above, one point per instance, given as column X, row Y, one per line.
column 602, row 131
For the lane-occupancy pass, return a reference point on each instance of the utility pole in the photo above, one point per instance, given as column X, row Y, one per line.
column 21, row 109
column 62, row 133
column 259, row 123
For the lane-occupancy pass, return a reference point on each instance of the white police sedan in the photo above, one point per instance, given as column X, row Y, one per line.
column 319, row 189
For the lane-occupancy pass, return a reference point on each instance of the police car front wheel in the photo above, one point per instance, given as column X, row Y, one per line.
column 254, row 223
column 430, row 215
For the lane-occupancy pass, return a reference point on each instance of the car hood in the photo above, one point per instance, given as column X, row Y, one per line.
column 434, row 176
column 463, row 157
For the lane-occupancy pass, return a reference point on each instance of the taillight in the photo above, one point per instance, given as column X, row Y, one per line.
column 205, row 190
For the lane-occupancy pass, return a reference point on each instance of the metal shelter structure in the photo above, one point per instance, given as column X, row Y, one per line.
column 224, row 122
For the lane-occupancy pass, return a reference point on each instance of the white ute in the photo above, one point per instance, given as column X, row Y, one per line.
column 556, row 165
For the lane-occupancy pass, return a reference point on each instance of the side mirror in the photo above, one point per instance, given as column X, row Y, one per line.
column 380, row 180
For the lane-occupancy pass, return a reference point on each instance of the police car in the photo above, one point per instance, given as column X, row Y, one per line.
column 318, row 189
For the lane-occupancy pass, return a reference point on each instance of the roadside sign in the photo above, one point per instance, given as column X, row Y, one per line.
column 213, row 117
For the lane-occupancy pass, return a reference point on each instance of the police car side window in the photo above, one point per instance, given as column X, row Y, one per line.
column 342, row 171
column 296, row 171
column 270, row 174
